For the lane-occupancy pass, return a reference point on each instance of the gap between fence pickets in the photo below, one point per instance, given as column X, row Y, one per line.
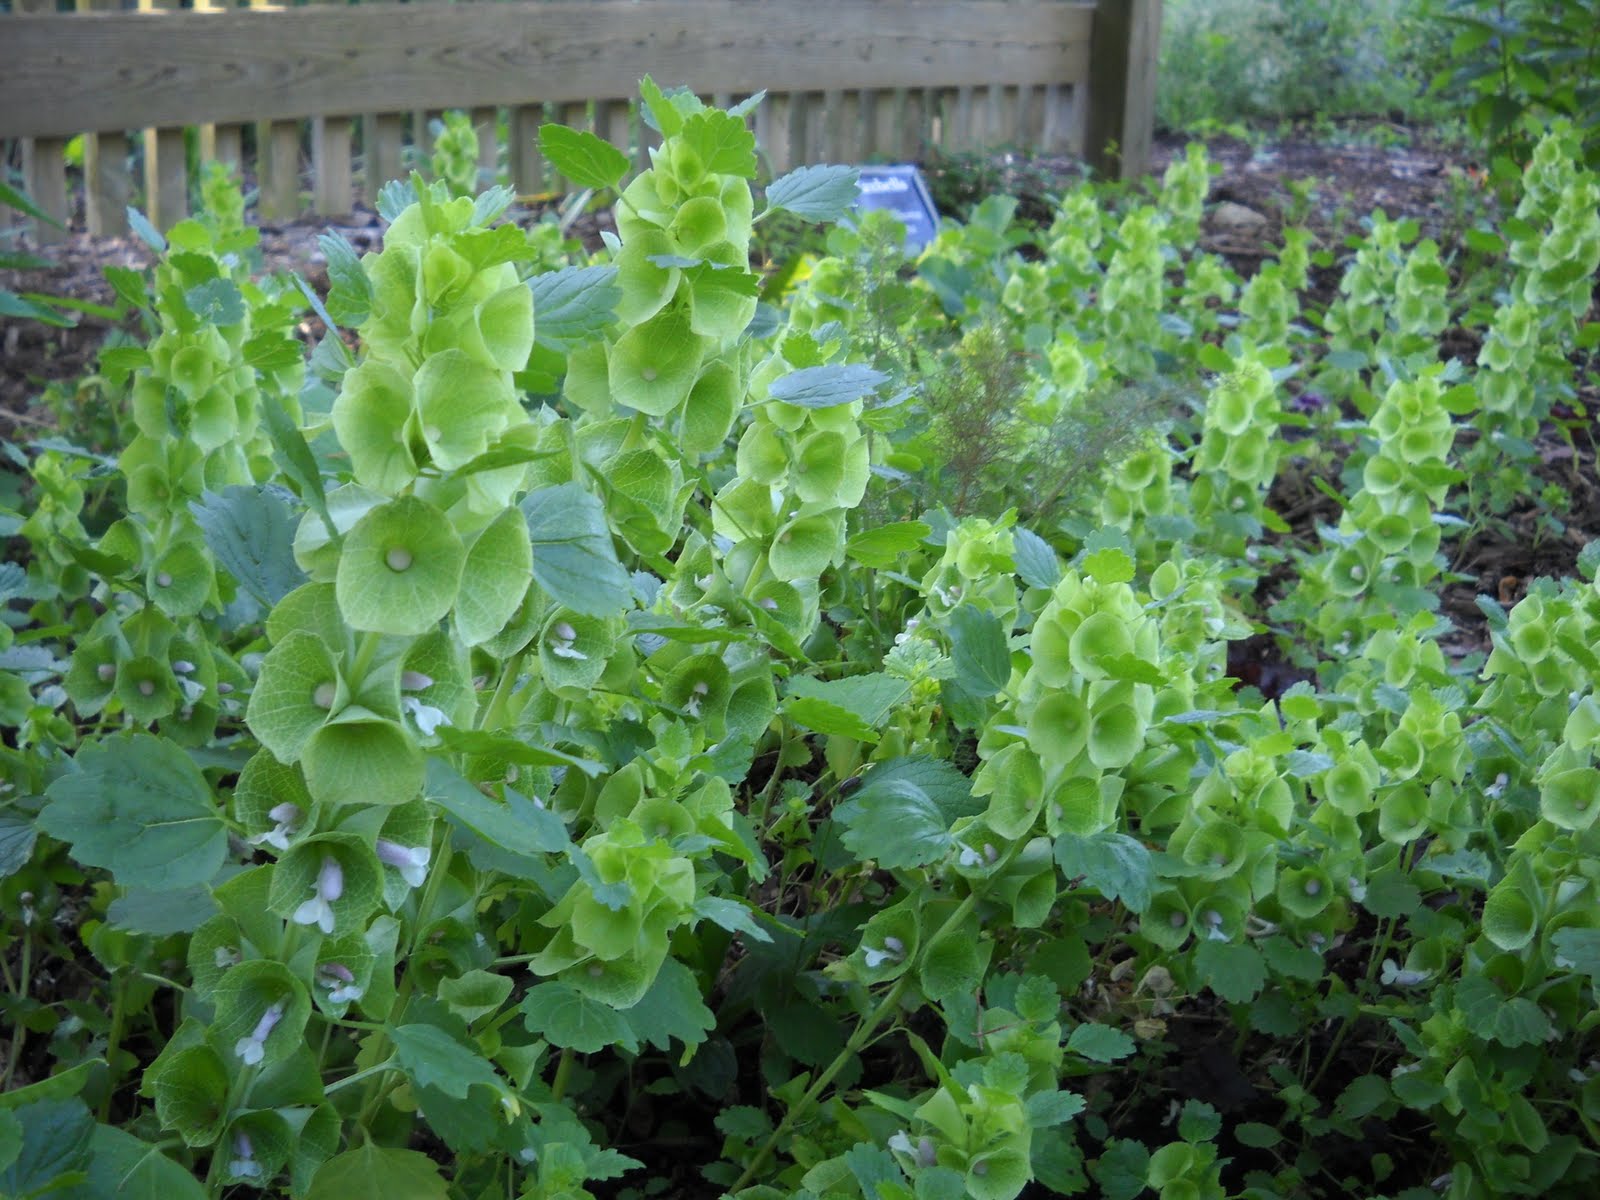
column 848, row 124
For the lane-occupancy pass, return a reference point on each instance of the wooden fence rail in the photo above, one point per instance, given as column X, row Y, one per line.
column 847, row 80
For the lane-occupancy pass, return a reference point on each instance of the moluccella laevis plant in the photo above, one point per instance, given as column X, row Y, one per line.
column 454, row 714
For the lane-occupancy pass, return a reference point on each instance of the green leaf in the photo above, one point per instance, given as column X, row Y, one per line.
column 1236, row 973
column 565, row 1017
column 476, row 994
column 10, row 1139
column 1121, row 1169
column 1114, row 864
column 672, row 1008
column 144, row 231
column 816, row 193
column 978, row 649
column 937, row 778
column 882, row 547
column 1257, row 1135
column 1578, row 950
column 1198, row 1122
column 56, row 1140
column 1490, row 1014
column 1108, row 565
column 11, row 197
column 375, row 1172
column 534, row 830
column 723, row 142
column 573, row 305
column 216, row 302
column 250, row 532
column 349, row 289
column 1364, row 1096
column 1045, row 1109
column 661, row 114
column 1037, row 563
column 141, row 910
column 139, row 807
column 1292, row 961
column 827, row 386
column 271, row 352
column 866, row 698
column 1100, row 1043
column 514, row 748
column 898, row 825
column 730, row 915
column 17, row 836
column 582, row 157
column 298, row 463
column 1390, row 893
column 62, row 1086
column 432, row 1058
column 574, row 559
column 872, row 1165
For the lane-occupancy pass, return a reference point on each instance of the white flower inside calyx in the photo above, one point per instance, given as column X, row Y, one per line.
column 329, row 887
column 562, row 641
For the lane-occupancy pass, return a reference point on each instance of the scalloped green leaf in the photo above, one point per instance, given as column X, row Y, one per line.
column 138, row 806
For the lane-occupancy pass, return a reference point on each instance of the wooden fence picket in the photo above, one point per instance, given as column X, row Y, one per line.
column 847, row 81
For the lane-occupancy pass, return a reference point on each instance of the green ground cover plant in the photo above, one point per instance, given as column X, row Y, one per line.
column 610, row 728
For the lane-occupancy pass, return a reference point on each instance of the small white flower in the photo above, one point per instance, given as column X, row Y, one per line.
column 339, row 981
column 425, row 717
column 287, row 817
column 892, row 950
column 329, row 887
column 226, row 956
column 244, row 1165
column 411, row 861
column 1395, row 976
column 253, row 1048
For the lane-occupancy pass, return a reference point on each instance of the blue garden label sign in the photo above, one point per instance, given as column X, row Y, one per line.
column 902, row 191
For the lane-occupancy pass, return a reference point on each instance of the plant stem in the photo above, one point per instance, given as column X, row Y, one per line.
column 863, row 1033
column 364, row 1073
column 1332, row 1052
column 18, row 1033
column 495, row 713
column 563, row 1076
column 119, row 991
column 858, row 1039
column 366, row 650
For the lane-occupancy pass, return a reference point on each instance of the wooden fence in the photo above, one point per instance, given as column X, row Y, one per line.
column 339, row 96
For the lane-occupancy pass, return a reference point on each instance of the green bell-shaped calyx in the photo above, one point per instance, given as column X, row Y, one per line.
column 372, row 417
column 400, row 568
column 653, row 366
column 463, row 405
